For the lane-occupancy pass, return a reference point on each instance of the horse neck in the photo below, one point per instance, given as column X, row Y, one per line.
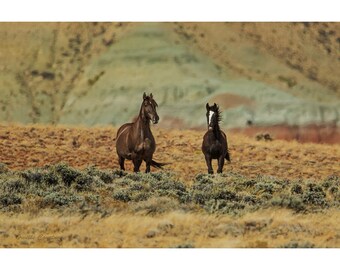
column 216, row 130
column 142, row 124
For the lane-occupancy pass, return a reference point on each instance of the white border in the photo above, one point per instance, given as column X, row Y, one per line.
column 169, row 259
column 170, row 10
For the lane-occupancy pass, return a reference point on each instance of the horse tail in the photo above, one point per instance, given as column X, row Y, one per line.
column 158, row 164
column 227, row 156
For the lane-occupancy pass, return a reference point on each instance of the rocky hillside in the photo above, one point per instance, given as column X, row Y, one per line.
column 261, row 74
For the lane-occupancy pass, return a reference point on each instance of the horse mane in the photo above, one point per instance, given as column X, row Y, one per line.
column 218, row 114
column 154, row 103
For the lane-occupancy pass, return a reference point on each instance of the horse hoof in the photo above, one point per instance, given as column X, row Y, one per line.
column 210, row 172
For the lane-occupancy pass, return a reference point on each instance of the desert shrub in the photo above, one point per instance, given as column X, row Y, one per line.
column 315, row 195
column 8, row 199
column 60, row 199
column 264, row 187
column 137, row 187
column 140, row 187
column 228, row 193
column 122, row 195
column 296, row 203
column 203, row 179
column 249, row 183
column 92, row 198
column 293, row 202
column 86, row 182
column 83, row 182
column 13, row 185
column 331, row 181
column 156, row 205
column 3, row 168
column 223, row 207
column 334, row 191
column 107, row 176
column 169, row 187
column 265, row 196
column 50, row 178
column 33, row 176
column 134, row 176
column 67, row 173
column 140, row 196
column 296, row 189
column 40, row 177
column 250, row 199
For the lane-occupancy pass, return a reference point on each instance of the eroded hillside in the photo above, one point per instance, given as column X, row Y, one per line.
column 262, row 74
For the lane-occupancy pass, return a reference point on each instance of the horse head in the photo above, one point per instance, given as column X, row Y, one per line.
column 149, row 106
column 213, row 115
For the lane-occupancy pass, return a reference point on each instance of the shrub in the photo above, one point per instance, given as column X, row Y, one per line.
column 264, row 187
column 315, row 195
column 60, row 199
column 10, row 199
column 33, row 176
column 50, row 178
column 227, row 193
column 83, row 182
column 105, row 175
column 122, row 195
column 296, row 189
column 156, row 205
column 3, row 168
column 14, row 185
column 67, row 173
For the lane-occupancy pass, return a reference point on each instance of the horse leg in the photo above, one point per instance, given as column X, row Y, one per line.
column 148, row 164
column 208, row 161
column 121, row 163
column 220, row 163
column 136, row 164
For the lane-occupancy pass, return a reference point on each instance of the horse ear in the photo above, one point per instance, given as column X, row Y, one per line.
column 207, row 106
column 144, row 96
column 151, row 95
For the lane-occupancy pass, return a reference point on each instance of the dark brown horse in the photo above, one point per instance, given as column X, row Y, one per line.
column 135, row 141
column 214, row 144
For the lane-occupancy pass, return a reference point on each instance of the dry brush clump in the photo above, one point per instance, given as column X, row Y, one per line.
column 234, row 193
column 62, row 187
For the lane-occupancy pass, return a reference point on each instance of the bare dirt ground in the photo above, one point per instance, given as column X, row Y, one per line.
column 35, row 146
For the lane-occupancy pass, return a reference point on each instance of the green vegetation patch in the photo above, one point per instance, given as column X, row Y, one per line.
column 91, row 189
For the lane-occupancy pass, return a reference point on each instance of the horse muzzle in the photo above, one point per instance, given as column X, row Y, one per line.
column 155, row 120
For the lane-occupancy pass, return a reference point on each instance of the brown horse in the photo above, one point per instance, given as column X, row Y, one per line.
column 135, row 141
column 214, row 144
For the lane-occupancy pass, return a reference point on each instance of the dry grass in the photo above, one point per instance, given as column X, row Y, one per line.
column 174, row 229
